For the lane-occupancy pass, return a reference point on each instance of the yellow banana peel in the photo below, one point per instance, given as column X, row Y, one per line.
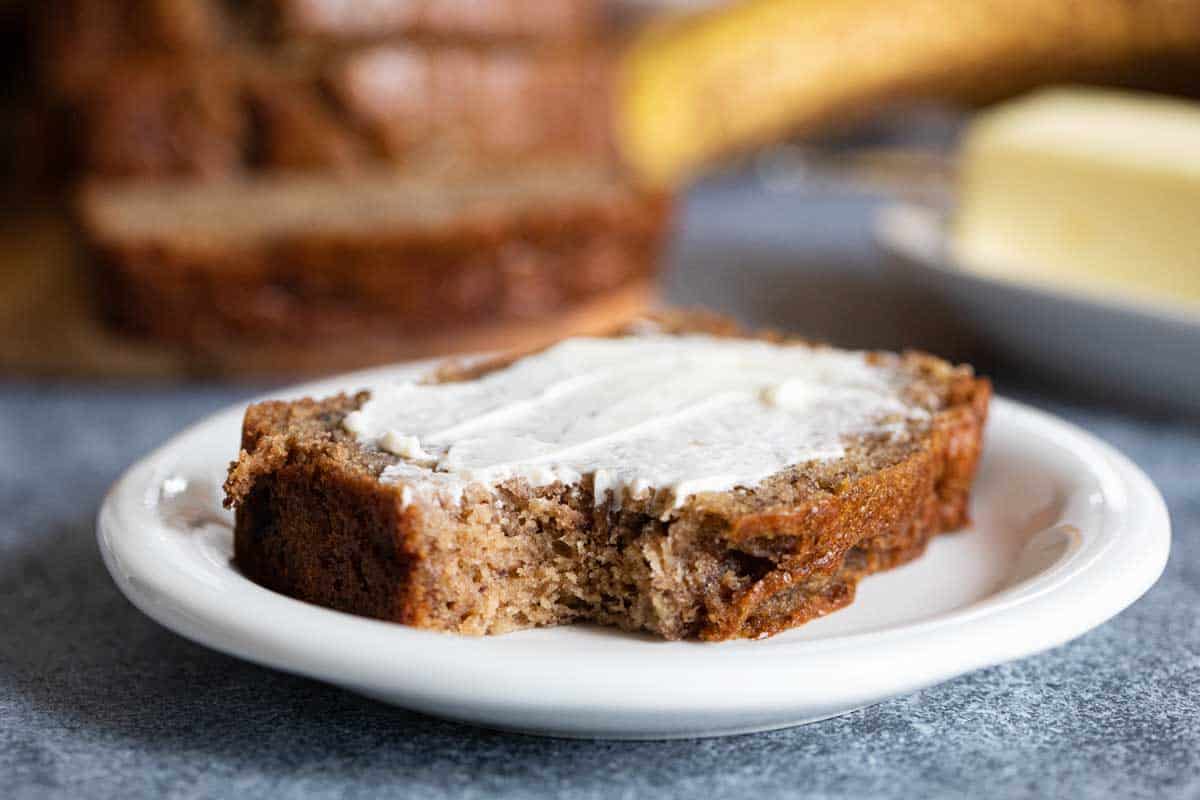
column 692, row 89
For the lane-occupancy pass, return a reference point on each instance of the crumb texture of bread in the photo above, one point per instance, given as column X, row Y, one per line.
column 314, row 521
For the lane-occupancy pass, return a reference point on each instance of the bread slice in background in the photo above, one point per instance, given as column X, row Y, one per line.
column 304, row 260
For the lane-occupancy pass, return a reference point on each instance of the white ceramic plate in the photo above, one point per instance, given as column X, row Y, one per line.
column 1067, row 533
column 1134, row 351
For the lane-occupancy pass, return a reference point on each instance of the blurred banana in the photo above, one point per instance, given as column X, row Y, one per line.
column 694, row 88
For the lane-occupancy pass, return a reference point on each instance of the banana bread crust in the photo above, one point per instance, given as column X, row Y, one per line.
column 314, row 522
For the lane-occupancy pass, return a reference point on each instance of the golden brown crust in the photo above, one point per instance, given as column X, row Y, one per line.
column 754, row 562
column 258, row 359
column 876, row 522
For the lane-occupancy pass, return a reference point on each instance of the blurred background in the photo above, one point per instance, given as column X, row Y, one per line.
column 205, row 199
column 267, row 189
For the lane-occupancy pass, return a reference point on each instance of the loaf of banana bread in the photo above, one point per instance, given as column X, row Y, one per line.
column 454, row 107
column 80, row 38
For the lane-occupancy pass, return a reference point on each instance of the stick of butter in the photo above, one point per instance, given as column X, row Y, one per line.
column 1086, row 189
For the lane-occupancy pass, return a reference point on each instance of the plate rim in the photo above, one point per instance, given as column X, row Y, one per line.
column 128, row 557
column 897, row 225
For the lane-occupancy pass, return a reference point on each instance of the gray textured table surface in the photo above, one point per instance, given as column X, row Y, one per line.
column 97, row 701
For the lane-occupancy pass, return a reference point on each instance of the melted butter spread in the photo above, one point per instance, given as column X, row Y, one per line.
column 637, row 415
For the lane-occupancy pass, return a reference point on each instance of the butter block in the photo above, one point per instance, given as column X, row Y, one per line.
column 1092, row 190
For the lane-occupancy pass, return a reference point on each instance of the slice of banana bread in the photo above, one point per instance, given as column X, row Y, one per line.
column 298, row 261
column 681, row 480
